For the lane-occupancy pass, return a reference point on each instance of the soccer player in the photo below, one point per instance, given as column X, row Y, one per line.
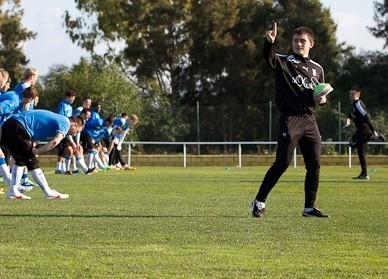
column 365, row 130
column 64, row 107
column 4, row 78
column 96, row 109
column 30, row 77
column 9, row 102
column 116, row 161
column 9, row 105
column 126, row 124
column 19, row 136
column 64, row 151
column 6, row 86
column 78, row 151
column 86, row 103
column 91, row 137
column 296, row 75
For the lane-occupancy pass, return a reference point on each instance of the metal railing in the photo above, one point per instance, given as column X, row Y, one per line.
column 239, row 146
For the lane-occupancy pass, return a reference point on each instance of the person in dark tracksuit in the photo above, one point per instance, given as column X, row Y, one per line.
column 365, row 130
column 296, row 76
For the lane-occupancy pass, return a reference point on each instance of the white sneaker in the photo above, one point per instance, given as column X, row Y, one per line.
column 18, row 196
column 56, row 195
column 25, row 189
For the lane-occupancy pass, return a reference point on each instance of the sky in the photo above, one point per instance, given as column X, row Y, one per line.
column 53, row 46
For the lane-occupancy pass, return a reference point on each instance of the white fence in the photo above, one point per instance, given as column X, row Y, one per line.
column 239, row 145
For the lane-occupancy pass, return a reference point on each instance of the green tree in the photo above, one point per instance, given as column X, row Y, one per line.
column 12, row 37
column 206, row 51
column 104, row 84
column 367, row 71
column 160, row 121
column 380, row 30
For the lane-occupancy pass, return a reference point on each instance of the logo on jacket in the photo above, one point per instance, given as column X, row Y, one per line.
column 305, row 82
column 292, row 59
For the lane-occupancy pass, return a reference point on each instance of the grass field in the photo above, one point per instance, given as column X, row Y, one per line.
column 172, row 222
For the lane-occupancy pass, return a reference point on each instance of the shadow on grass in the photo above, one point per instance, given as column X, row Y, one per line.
column 121, row 216
column 355, row 181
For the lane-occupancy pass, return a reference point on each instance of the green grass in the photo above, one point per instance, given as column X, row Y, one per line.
column 195, row 222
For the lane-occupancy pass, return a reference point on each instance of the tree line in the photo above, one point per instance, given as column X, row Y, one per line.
column 192, row 70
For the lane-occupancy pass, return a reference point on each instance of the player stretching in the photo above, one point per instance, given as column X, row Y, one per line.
column 19, row 134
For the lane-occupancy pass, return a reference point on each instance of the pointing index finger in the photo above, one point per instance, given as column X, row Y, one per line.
column 275, row 27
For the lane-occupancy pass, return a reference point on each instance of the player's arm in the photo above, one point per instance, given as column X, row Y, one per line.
column 71, row 141
column 49, row 145
column 362, row 112
column 111, row 144
column 271, row 34
column 122, row 137
column 268, row 54
column 77, row 138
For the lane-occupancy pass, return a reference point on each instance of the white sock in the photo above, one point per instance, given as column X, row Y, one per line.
column 63, row 166
column 91, row 159
column 80, row 160
column 259, row 204
column 58, row 166
column 99, row 161
column 308, row 209
column 74, row 163
column 4, row 171
column 17, row 173
column 40, row 179
column 67, row 163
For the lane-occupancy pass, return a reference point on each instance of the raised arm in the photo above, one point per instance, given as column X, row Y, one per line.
column 271, row 34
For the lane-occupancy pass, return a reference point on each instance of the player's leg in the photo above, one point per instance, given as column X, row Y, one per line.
column 17, row 141
column 288, row 138
column 361, row 152
column 79, row 156
column 68, row 155
column 310, row 147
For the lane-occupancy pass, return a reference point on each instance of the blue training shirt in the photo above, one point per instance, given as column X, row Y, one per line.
column 43, row 125
column 77, row 111
column 121, row 122
column 65, row 108
column 19, row 88
column 97, row 129
column 9, row 102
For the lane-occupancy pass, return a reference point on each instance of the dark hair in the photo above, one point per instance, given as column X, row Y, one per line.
column 109, row 119
column 77, row 119
column 304, row 30
column 30, row 92
column 118, row 128
column 355, row 88
column 70, row 93
column 96, row 105
column 84, row 110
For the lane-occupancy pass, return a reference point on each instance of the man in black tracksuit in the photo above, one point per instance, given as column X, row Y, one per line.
column 296, row 76
column 365, row 130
